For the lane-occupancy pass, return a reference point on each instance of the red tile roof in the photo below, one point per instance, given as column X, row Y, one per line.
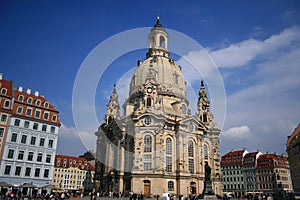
column 250, row 158
column 64, row 161
column 267, row 161
column 233, row 157
column 35, row 102
column 7, row 86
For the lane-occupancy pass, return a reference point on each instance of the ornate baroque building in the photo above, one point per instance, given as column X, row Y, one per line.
column 157, row 146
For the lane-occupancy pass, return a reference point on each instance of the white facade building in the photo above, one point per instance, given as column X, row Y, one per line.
column 30, row 145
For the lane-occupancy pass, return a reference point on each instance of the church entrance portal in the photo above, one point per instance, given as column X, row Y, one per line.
column 147, row 187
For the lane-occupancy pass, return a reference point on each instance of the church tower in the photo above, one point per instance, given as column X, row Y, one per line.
column 204, row 106
column 157, row 146
column 113, row 107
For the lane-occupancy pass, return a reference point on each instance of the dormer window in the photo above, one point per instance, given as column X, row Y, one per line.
column 54, row 118
column 38, row 102
column 21, row 98
column 28, row 111
column 46, row 104
column 29, row 100
column 3, row 91
column 46, row 115
column 19, row 110
column 6, row 104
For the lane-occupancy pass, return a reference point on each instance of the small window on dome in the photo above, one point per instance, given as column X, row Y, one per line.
column 153, row 42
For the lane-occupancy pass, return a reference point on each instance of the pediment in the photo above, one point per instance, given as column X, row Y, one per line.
column 193, row 120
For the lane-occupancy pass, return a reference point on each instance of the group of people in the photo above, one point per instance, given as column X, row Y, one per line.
column 134, row 196
column 10, row 195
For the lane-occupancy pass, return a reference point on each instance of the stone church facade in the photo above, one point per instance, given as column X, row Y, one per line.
column 157, row 146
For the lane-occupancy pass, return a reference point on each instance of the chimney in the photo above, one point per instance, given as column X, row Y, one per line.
column 36, row 93
column 28, row 91
column 20, row 89
column 1, row 76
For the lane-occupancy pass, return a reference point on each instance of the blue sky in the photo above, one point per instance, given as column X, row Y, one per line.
column 255, row 45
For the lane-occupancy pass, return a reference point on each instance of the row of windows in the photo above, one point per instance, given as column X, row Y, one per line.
column 37, row 113
column 38, row 102
column 32, row 141
column 231, row 173
column 148, row 147
column 70, row 171
column 230, row 179
column 34, row 126
column 232, row 167
column 233, row 187
column 65, row 165
column 68, row 176
column 72, row 161
column 148, row 157
column 29, row 157
column 27, row 172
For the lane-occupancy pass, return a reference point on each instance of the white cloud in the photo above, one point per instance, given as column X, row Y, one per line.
column 238, row 133
column 267, row 93
column 267, row 105
column 241, row 53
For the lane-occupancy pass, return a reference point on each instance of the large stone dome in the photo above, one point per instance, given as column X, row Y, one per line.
column 158, row 68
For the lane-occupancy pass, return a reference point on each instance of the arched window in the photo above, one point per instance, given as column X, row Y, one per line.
column 191, row 149
column 3, row 91
column 153, row 42
column 147, row 143
column 162, row 41
column 169, row 155
column 38, row 102
column 183, row 109
column 6, row 104
column 205, row 151
column 21, row 98
column 171, row 186
column 169, row 146
column 29, row 100
column 191, row 156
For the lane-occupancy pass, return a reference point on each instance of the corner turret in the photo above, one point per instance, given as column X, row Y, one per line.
column 113, row 107
column 204, row 105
